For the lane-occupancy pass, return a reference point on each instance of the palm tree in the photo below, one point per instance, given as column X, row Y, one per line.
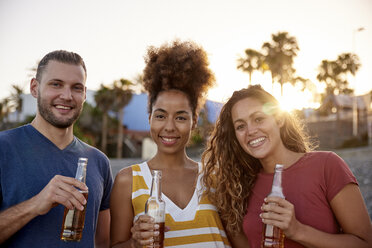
column 5, row 110
column 122, row 95
column 1, row 113
column 16, row 99
column 105, row 101
column 252, row 61
column 279, row 55
column 334, row 73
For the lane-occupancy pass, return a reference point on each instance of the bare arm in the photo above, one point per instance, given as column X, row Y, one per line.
column 239, row 240
column 122, row 215
column 102, row 238
column 59, row 190
column 14, row 218
column 350, row 211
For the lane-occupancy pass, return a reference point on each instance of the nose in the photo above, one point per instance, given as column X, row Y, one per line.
column 169, row 125
column 251, row 129
column 66, row 94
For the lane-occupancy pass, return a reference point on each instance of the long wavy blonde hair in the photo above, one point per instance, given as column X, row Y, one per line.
column 229, row 173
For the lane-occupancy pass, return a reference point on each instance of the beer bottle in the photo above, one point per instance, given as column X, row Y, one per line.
column 273, row 236
column 73, row 220
column 155, row 207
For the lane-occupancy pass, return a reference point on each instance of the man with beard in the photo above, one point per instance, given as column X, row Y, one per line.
column 38, row 163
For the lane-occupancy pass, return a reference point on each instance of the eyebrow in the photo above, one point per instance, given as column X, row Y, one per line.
column 253, row 114
column 178, row 112
column 55, row 80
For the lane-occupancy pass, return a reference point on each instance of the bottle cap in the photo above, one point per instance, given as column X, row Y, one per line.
column 83, row 160
column 156, row 173
column 279, row 166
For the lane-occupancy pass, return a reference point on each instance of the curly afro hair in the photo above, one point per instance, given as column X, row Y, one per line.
column 181, row 66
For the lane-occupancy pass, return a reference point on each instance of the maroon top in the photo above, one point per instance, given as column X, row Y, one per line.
column 309, row 184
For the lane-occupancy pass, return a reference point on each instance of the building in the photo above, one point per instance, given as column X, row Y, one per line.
column 332, row 123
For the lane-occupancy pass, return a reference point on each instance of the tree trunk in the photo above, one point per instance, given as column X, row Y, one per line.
column 119, row 147
column 281, row 89
column 104, row 133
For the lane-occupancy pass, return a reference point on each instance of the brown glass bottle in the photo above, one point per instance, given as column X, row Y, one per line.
column 155, row 207
column 273, row 236
column 73, row 219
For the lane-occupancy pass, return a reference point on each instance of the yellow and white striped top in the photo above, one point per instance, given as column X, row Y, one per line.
column 197, row 225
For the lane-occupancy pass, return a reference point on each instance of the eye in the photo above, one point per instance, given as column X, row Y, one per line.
column 79, row 88
column 181, row 118
column 159, row 116
column 259, row 119
column 55, row 84
column 239, row 127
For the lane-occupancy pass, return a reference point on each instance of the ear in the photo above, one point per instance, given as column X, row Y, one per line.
column 85, row 94
column 34, row 87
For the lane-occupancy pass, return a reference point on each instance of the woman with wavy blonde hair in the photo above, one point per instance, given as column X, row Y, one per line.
column 323, row 205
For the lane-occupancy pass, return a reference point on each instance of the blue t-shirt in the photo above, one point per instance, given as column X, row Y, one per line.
column 28, row 161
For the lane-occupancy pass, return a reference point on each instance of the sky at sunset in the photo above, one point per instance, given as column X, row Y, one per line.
column 112, row 36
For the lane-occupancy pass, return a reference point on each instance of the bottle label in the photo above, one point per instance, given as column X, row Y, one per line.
column 269, row 230
column 69, row 218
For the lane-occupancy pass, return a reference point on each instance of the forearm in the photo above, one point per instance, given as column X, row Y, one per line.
column 14, row 218
column 102, row 237
column 238, row 240
column 311, row 237
column 127, row 244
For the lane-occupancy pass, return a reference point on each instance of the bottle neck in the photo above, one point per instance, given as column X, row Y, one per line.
column 156, row 185
column 277, row 189
column 81, row 172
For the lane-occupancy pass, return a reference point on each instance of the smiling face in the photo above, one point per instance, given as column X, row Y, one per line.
column 257, row 131
column 171, row 121
column 60, row 94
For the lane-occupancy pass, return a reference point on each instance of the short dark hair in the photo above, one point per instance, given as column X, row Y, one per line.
column 60, row 56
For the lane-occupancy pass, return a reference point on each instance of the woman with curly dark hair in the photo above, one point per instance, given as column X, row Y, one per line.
column 176, row 78
column 323, row 205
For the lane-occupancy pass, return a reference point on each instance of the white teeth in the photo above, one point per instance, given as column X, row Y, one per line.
column 253, row 142
column 168, row 139
column 62, row 107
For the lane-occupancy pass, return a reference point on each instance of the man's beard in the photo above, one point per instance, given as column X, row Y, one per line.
column 46, row 112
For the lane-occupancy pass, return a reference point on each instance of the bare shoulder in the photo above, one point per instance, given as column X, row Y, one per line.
column 124, row 176
column 122, row 188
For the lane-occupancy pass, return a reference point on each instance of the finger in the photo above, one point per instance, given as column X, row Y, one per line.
column 72, row 194
column 72, row 181
column 275, row 208
column 146, row 218
column 144, row 226
column 277, row 200
column 146, row 242
column 141, row 237
column 70, row 201
column 274, row 222
column 70, row 191
column 272, row 216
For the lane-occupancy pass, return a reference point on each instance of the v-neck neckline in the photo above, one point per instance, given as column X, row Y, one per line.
column 171, row 207
column 37, row 132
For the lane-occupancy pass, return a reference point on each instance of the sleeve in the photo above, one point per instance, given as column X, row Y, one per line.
column 337, row 175
column 108, row 183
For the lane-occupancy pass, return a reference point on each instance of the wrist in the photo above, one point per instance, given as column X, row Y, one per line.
column 300, row 233
column 132, row 243
column 32, row 206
